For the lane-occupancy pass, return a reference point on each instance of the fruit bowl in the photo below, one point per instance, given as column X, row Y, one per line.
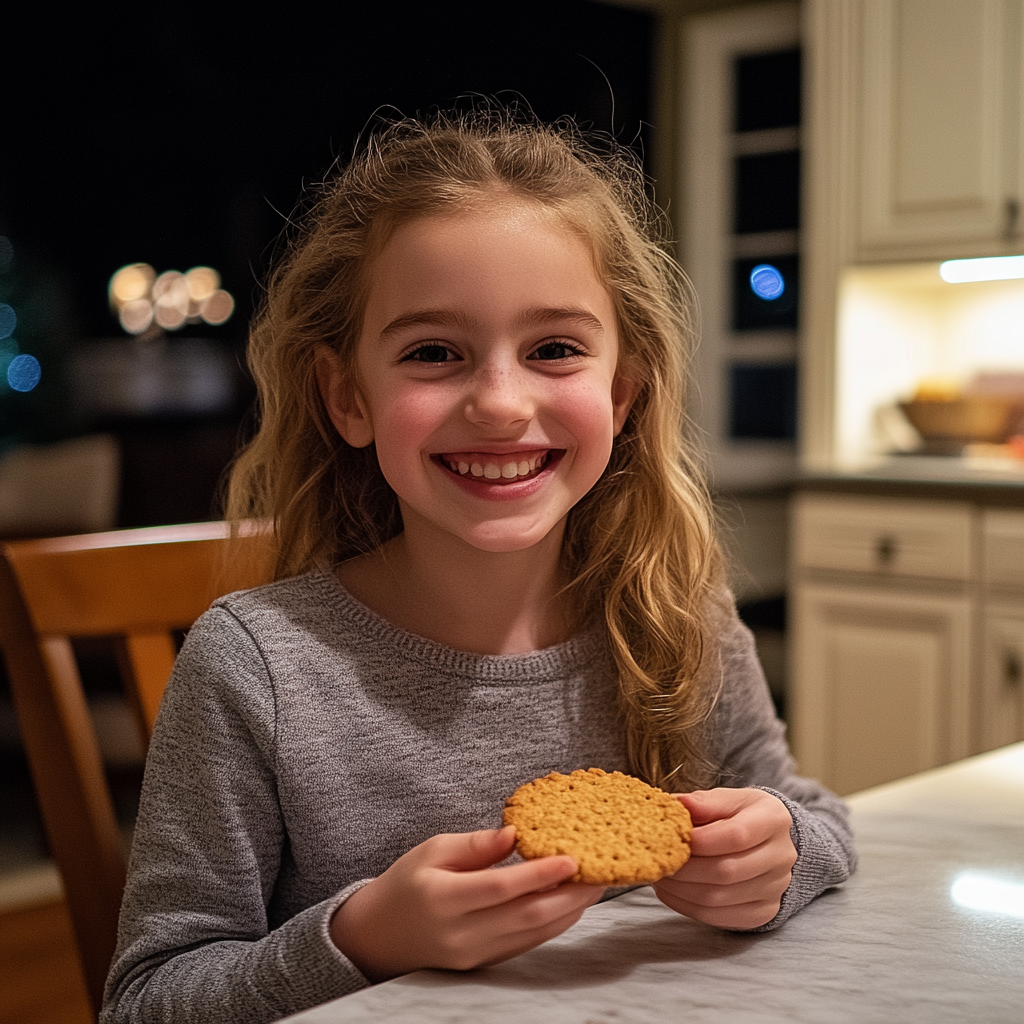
column 949, row 425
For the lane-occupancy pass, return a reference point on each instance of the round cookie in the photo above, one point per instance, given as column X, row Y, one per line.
column 619, row 830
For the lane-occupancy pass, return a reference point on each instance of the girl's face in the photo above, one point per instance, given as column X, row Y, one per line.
column 486, row 375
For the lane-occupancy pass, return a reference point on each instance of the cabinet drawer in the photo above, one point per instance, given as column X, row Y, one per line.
column 892, row 537
column 1003, row 549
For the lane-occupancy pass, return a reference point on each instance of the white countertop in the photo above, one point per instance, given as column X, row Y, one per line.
column 890, row 946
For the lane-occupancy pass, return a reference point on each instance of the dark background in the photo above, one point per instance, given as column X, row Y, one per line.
column 184, row 134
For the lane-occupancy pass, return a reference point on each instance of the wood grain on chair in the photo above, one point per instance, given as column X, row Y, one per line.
column 140, row 587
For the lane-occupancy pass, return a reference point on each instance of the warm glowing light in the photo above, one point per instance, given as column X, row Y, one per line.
column 141, row 298
column 168, row 316
column 136, row 316
column 218, row 308
column 983, row 892
column 988, row 268
column 202, row 283
column 130, row 283
column 24, row 372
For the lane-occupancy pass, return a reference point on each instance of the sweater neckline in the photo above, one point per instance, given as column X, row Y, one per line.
column 554, row 662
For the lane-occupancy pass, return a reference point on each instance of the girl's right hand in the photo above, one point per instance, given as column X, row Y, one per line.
column 442, row 905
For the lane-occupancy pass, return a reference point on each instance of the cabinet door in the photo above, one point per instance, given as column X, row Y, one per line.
column 1003, row 675
column 881, row 683
column 938, row 126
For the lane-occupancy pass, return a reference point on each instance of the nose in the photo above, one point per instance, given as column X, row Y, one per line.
column 499, row 397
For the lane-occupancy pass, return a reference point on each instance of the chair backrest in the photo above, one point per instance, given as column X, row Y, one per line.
column 139, row 587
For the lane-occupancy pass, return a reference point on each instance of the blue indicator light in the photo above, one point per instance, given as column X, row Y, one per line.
column 766, row 281
column 8, row 320
column 23, row 372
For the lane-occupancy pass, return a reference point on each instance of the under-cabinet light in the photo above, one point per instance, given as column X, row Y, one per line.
column 987, row 268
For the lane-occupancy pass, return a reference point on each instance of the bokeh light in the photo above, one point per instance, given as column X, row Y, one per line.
column 24, row 372
column 767, row 282
column 141, row 298
column 218, row 307
column 8, row 320
column 202, row 283
column 136, row 316
column 130, row 283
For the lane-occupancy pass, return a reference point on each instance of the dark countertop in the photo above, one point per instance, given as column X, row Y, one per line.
column 930, row 478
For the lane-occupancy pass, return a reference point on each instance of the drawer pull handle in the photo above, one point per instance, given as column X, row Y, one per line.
column 1013, row 671
column 885, row 549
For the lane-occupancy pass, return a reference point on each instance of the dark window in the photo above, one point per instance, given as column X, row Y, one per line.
column 767, row 192
column 768, row 91
column 762, row 401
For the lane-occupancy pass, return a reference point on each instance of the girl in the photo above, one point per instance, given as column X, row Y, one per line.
column 494, row 559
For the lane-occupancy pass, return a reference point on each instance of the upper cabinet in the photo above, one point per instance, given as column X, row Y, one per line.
column 914, row 152
column 937, row 114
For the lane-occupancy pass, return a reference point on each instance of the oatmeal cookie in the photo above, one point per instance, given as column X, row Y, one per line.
column 619, row 830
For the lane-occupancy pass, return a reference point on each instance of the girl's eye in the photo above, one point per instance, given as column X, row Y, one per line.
column 430, row 354
column 555, row 350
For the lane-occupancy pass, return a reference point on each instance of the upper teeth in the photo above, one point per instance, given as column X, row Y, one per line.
column 493, row 470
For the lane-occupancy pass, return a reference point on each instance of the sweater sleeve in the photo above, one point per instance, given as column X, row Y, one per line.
column 194, row 943
column 750, row 746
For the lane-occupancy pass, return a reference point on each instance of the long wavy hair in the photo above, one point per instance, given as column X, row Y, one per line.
column 640, row 547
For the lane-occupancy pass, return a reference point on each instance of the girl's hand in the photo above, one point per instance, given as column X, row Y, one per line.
column 741, row 858
column 442, row 905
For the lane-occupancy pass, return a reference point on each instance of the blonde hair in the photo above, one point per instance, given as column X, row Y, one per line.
column 639, row 548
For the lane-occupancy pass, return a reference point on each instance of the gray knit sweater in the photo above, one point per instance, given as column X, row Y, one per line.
column 304, row 744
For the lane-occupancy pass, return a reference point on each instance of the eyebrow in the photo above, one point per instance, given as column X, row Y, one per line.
column 453, row 318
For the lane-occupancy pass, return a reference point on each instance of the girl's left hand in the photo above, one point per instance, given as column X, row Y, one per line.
column 741, row 859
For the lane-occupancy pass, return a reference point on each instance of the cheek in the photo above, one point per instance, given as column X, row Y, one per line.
column 589, row 409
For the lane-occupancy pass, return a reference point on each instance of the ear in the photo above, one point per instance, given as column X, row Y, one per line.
column 344, row 404
column 624, row 392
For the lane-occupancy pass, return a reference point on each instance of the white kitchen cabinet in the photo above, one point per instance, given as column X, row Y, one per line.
column 1002, row 674
column 907, row 634
column 914, row 152
column 937, row 115
column 921, row 103
column 1002, row 656
column 881, row 684
column 882, row 637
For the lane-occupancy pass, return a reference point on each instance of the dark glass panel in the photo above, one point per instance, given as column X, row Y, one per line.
column 767, row 192
column 762, row 401
column 768, row 91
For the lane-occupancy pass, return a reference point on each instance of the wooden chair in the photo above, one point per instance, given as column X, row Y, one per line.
column 138, row 586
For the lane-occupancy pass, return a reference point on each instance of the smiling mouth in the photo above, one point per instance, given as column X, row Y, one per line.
column 502, row 469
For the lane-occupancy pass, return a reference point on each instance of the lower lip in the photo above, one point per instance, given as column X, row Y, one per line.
column 481, row 487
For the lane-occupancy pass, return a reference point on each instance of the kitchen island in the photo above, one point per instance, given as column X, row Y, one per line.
column 903, row 940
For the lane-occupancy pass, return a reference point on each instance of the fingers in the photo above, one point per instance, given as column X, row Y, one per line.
column 741, row 863
column 770, row 884
column 734, row 917
column 470, row 851
column 456, row 876
column 733, row 820
column 773, row 854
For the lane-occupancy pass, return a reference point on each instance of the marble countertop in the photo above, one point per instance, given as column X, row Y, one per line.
column 902, row 941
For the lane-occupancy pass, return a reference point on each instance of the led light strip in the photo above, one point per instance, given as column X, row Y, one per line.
column 987, row 268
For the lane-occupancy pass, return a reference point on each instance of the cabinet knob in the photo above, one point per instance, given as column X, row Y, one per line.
column 1013, row 670
column 885, row 549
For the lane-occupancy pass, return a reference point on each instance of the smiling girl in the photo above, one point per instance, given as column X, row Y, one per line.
column 495, row 559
